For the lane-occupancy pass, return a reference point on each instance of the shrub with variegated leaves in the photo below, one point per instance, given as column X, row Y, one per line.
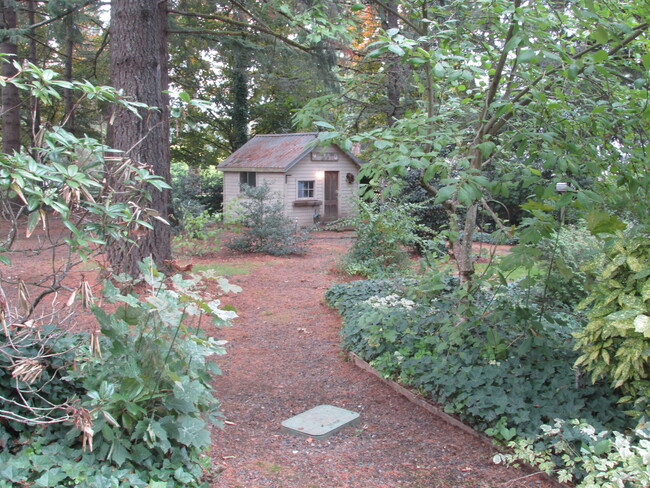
column 616, row 340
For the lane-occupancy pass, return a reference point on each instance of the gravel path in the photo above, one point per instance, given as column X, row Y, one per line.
column 284, row 358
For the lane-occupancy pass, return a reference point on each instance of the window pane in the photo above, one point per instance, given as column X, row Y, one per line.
column 247, row 178
column 306, row 189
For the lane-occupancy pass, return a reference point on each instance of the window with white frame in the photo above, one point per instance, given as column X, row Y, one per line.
column 306, row 189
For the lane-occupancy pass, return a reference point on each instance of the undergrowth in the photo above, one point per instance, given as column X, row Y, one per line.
column 498, row 361
column 139, row 391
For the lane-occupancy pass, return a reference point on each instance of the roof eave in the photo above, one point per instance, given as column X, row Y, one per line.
column 227, row 169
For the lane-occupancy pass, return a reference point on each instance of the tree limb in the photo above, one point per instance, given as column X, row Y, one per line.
column 238, row 23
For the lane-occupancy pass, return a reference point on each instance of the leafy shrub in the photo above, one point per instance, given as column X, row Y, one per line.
column 196, row 227
column 267, row 229
column 566, row 254
column 590, row 457
column 431, row 216
column 195, row 192
column 127, row 408
column 615, row 341
column 143, row 398
column 384, row 231
column 199, row 236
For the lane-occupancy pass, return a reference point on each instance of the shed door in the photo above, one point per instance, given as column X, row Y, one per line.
column 331, row 211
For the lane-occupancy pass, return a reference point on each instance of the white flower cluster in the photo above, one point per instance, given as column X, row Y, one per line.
column 390, row 301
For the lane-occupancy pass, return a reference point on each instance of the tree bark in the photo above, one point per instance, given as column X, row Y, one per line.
column 68, row 98
column 34, row 105
column 240, row 113
column 10, row 96
column 139, row 67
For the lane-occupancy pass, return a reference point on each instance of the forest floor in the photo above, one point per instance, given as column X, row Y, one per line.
column 283, row 358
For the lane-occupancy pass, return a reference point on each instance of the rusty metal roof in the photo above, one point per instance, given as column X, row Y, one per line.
column 271, row 152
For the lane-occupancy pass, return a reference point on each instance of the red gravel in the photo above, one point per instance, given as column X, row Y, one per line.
column 284, row 358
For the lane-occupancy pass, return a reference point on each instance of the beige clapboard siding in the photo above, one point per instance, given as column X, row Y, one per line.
column 232, row 196
column 306, row 170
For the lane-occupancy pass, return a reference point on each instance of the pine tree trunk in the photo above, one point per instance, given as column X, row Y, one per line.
column 139, row 67
column 68, row 99
column 10, row 96
column 240, row 112
column 34, row 104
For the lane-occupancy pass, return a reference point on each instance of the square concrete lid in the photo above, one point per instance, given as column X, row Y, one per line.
column 320, row 422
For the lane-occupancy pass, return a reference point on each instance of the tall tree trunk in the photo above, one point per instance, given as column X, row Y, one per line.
column 10, row 96
column 138, row 63
column 240, row 115
column 68, row 98
column 33, row 58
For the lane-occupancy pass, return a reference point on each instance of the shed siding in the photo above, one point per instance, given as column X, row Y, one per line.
column 306, row 170
column 232, row 195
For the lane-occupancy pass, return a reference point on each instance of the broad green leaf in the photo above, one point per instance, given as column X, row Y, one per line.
column 193, row 432
column 445, row 193
column 51, row 478
column 395, row 49
column 601, row 447
column 382, row 144
column 646, row 60
column 118, row 453
column 645, row 291
column 183, row 476
column 600, row 56
column 439, row 70
column 600, row 34
column 526, row 56
column 324, row 124
column 32, row 222
column 635, row 264
column 227, row 287
column 486, row 148
column 622, row 315
column 599, row 222
column 513, row 43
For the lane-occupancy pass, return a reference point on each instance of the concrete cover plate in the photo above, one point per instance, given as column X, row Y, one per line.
column 320, row 422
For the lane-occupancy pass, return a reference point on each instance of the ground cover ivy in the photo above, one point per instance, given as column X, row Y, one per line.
column 504, row 366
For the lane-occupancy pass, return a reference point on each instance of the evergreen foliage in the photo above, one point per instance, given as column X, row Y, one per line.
column 266, row 229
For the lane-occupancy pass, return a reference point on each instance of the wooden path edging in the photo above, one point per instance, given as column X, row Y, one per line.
column 445, row 417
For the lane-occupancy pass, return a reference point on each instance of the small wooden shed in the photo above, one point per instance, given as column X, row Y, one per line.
column 314, row 183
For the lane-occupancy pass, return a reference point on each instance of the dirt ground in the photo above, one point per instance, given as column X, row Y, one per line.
column 284, row 358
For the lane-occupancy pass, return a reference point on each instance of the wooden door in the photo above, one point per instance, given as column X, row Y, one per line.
column 331, row 210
